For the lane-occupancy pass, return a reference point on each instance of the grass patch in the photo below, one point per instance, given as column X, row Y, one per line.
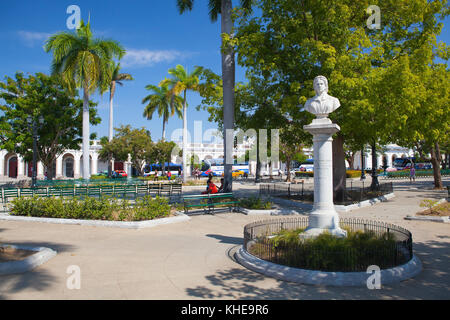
column 255, row 204
column 441, row 210
column 356, row 252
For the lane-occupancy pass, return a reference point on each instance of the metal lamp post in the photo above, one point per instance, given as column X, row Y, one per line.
column 363, row 174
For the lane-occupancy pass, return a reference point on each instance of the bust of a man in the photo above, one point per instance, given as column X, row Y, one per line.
column 321, row 104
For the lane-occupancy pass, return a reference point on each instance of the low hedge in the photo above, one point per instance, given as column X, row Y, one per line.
column 255, row 204
column 329, row 253
column 104, row 208
column 350, row 174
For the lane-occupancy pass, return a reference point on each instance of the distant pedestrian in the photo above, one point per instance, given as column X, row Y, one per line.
column 169, row 175
column 412, row 173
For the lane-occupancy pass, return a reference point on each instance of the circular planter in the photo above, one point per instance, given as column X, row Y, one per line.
column 409, row 265
column 41, row 256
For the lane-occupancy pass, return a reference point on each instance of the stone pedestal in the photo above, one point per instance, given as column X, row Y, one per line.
column 323, row 217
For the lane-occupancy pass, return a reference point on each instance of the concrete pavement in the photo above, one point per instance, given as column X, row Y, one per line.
column 193, row 260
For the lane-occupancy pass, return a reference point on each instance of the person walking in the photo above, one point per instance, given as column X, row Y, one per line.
column 412, row 173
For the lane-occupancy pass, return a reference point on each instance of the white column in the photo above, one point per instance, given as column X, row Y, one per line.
column 59, row 168
column 94, row 163
column 20, row 167
column 76, row 166
column 2, row 164
column 323, row 216
column 40, row 170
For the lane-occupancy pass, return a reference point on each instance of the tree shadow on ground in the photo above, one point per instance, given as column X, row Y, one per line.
column 37, row 279
column 226, row 239
column 240, row 283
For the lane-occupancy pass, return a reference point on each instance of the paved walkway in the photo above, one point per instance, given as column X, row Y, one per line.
column 193, row 260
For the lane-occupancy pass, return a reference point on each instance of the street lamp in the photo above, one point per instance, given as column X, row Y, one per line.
column 31, row 121
column 363, row 174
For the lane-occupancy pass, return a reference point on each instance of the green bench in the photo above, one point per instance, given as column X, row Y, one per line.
column 9, row 193
column 176, row 189
column 209, row 202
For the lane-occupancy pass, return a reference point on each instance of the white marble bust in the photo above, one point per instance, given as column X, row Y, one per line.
column 321, row 104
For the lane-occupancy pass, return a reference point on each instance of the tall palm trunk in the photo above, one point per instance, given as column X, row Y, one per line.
column 185, row 139
column 111, row 117
column 86, row 140
column 164, row 139
column 228, row 79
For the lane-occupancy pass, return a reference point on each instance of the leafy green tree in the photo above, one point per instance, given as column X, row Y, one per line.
column 180, row 83
column 135, row 144
column 41, row 97
column 164, row 103
column 288, row 43
column 225, row 9
column 83, row 62
column 162, row 153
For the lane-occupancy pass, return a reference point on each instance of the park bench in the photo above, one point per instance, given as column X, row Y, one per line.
column 176, row 189
column 209, row 202
column 9, row 193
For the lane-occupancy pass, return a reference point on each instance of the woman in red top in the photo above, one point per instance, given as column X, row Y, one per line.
column 212, row 188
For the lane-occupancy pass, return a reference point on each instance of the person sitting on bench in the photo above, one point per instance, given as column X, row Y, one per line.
column 222, row 181
column 212, row 188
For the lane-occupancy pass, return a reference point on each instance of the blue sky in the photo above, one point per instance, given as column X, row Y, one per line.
column 155, row 35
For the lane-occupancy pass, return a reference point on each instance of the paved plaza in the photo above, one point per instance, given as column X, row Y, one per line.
column 194, row 259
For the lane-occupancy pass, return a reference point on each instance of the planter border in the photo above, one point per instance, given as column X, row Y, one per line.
column 180, row 217
column 340, row 208
column 41, row 256
column 339, row 279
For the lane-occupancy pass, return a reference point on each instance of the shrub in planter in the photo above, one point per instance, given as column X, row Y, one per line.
column 255, row 204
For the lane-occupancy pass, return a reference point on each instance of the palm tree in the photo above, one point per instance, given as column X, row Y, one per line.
column 115, row 78
column 83, row 63
column 181, row 82
column 164, row 102
column 224, row 8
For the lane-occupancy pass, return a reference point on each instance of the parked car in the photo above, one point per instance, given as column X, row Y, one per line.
column 119, row 174
column 236, row 173
column 307, row 166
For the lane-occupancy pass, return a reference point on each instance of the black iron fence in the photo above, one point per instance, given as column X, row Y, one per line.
column 394, row 248
column 352, row 193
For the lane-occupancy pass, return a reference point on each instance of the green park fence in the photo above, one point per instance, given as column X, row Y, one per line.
column 111, row 190
column 404, row 174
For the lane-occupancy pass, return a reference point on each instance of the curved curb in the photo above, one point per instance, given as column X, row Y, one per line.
column 41, row 256
column 339, row 279
column 99, row 223
column 339, row 208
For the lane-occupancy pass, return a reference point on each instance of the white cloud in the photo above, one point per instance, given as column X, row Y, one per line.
column 31, row 38
column 146, row 58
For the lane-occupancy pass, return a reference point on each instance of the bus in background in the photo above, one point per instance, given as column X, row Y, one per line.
column 215, row 166
column 403, row 163
column 174, row 168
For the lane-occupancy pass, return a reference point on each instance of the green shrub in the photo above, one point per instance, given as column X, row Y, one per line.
column 255, row 203
column 329, row 253
column 104, row 208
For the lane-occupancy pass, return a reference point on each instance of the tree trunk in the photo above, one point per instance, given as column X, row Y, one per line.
column 339, row 169
column 111, row 121
column 163, row 139
column 185, row 139
column 258, row 164
column 288, row 169
column 228, row 79
column 86, row 136
column 351, row 161
column 375, row 184
column 435, row 160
